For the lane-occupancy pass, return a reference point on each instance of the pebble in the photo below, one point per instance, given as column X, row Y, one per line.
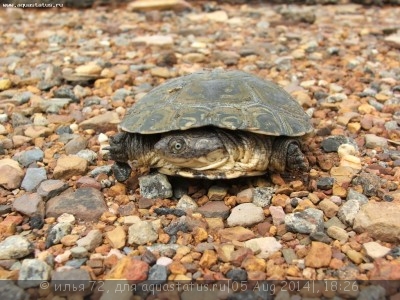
column 33, row 272
column 278, row 215
column 374, row 250
column 332, row 143
column 33, row 177
column 262, row 196
column 348, row 211
column 319, row 255
column 51, row 188
column 29, row 204
column 306, row 221
column 25, row 158
column 14, row 247
column 57, row 232
column 85, row 204
column 217, row 193
column 245, row 214
column 141, row 233
column 11, row 174
column 101, row 123
column 9, row 291
column 238, row 233
column 373, row 141
column 338, row 233
column 66, row 276
column 164, row 261
column 381, row 220
column 329, row 208
column 176, row 225
column 68, row 166
column 79, row 252
column 369, row 182
column 93, row 239
column 155, row 186
column 237, row 275
column 158, row 274
column 264, row 247
column 186, row 203
column 88, row 155
column 129, row 268
column 214, row 209
column 325, row 183
column 75, row 145
column 116, row 237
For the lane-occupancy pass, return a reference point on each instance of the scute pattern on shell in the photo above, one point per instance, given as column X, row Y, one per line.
column 225, row 99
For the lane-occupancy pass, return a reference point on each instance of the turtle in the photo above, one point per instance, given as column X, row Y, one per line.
column 213, row 124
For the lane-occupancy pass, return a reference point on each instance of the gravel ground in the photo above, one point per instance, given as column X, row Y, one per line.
column 67, row 77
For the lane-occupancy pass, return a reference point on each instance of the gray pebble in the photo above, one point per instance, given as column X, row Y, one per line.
column 237, row 275
column 180, row 224
column 306, row 221
column 33, row 272
column 334, row 222
column 262, row 196
column 33, row 177
column 76, row 263
column 57, row 232
column 88, row 155
column 9, row 291
column 348, row 211
column 332, row 143
column 79, row 252
column 29, row 204
column 27, row 157
column 15, row 246
column 158, row 274
column 121, row 94
column 51, row 188
column 325, row 183
column 92, row 240
column 245, row 214
column 141, row 233
column 354, row 195
column 77, row 144
column 186, row 203
column 373, row 141
column 372, row 292
column 155, row 186
column 100, row 170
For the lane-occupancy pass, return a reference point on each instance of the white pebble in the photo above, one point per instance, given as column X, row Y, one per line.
column 63, row 257
column 164, row 261
column 102, row 138
column 346, row 149
column 66, row 218
column 74, row 127
column 120, row 110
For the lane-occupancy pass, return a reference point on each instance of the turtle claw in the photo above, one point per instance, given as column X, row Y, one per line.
column 121, row 171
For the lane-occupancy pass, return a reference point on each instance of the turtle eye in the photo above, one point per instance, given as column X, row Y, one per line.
column 176, row 145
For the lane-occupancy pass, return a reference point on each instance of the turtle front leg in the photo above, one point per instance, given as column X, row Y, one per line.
column 118, row 152
column 287, row 155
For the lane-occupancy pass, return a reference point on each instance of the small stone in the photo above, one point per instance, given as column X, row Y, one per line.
column 66, row 218
column 351, row 161
column 278, row 215
column 325, row 183
column 93, row 239
column 237, row 233
column 33, row 177
column 319, row 255
column 154, row 40
column 5, row 84
column 237, row 275
column 102, row 123
column 381, row 220
column 11, row 174
column 33, row 272
column 343, row 174
column 88, row 69
column 9, row 291
column 329, row 208
column 208, row 259
column 338, row 233
column 186, row 203
column 320, row 236
column 68, row 166
column 369, row 182
column 374, row 250
column 306, row 221
column 374, row 291
column 129, row 268
column 27, row 157
column 348, row 211
column 289, row 255
column 264, row 247
column 29, row 204
column 66, row 276
column 85, row 204
column 245, row 214
column 141, row 233
column 177, row 268
column 75, row 145
column 214, row 209
column 86, row 181
column 217, row 193
column 332, row 143
column 155, row 186
column 116, row 237
column 51, row 188
column 225, row 251
column 217, row 16
column 262, row 196
column 393, row 40
column 254, row 264
column 355, row 256
column 354, row 195
column 373, row 141
column 79, row 252
column 158, row 274
column 15, row 247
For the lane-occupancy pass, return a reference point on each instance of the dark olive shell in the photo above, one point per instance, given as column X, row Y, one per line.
column 227, row 99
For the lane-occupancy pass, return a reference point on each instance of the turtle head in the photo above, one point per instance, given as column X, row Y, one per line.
column 287, row 156
column 196, row 149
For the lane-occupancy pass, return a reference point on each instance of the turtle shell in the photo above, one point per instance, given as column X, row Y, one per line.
column 227, row 99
